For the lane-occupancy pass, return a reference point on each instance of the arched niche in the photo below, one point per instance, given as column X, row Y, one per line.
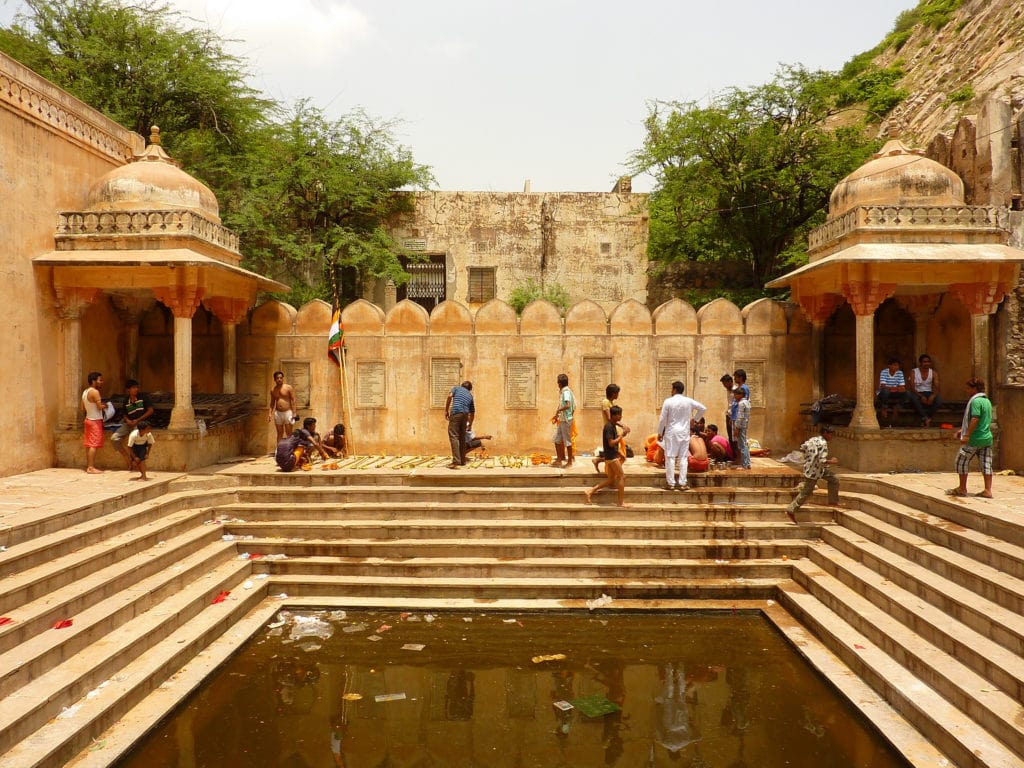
column 451, row 318
column 630, row 318
column 496, row 318
column 586, row 318
column 364, row 318
column 314, row 318
column 720, row 318
column 675, row 318
column 406, row 318
column 765, row 317
column 839, row 362
column 273, row 318
column 540, row 318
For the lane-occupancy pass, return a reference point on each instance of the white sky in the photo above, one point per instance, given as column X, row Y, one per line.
column 491, row 94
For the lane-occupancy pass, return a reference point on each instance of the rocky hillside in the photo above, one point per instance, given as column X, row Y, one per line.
column 954, row 57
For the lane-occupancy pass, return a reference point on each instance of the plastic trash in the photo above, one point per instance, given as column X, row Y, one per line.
column 374, row 638
column 548, row 657
column 596, row 705
column 599, row 602
column 68, row 712
column 337, row 616
column 563, row 705
column 247, row 584
column 221, row 597
column 310, row 626
column 354, row 628
column 62, row 624
column 352, row 697
column 4, row 620
column 793, row 457
column 413, row 647
column 389, row 697
column 428, row 617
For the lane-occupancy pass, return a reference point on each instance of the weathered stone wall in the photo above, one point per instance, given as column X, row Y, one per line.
column 593, row 244
column 762, row 337
column 668, row 281
column 52, row 149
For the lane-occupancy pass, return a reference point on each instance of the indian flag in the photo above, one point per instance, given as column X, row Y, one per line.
column 336, row 338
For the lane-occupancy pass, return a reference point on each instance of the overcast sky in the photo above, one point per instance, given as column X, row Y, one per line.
column 555, row 91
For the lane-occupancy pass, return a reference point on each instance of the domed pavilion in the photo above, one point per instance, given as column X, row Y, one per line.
column 920, row 272
column 149, row 232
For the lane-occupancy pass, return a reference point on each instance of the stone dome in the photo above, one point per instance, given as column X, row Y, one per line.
column 900, row 176
column 152, row 181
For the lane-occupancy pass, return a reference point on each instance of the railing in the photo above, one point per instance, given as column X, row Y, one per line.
column 146, row 223
column 867, row 217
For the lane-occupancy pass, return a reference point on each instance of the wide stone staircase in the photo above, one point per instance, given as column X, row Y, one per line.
column 108, row 601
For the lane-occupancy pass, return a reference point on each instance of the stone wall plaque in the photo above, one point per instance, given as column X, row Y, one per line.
column 597, row 375
column 755, row 380
column 669, row 371
column 296, row 373
column 445, row 373
column 371, row 389
column 521, row 382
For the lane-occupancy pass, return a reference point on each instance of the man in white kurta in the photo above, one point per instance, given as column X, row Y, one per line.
column 674, row 433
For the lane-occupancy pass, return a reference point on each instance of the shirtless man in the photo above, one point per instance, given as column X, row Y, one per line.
column 92, row 407
column 282, row 406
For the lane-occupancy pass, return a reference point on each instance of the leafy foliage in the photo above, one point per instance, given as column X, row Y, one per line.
column 531, row 291
column 875, row 88
column 962, row 95
column 308, row 196
column 747, row 175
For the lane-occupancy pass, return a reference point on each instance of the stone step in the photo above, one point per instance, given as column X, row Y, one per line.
column 765, row 510
column 594, row 550
column 467, row 529
column 943, row 589
column 537, row 588
column 956, row 733
column 165, row 562
column 973, row 546
column 99, row 697
column 679, row 566
column 516, row 496
column 972, row 693
column 97, row 529
column 533, row 477
column 30, row 524
column 975, row 650
column 107, row 652
column 69, row 561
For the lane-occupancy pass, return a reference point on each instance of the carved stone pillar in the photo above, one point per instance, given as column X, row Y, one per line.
column 864, row 296
column 130, row 310
column 230, row 312
column 390, row 295
column 182, row 300
column 981, row 300
column 921, row 307
column 817, row 308
column 71, row 305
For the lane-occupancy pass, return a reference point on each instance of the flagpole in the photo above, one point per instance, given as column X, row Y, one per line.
column 346, row 406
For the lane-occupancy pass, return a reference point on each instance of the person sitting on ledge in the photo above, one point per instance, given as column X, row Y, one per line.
column 923, row 390
column 892, row 391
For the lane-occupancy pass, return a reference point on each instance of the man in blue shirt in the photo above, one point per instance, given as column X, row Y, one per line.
column 892, row 391
column 459, row 410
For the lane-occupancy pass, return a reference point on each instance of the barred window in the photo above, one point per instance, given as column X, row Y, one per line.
column 481, row 284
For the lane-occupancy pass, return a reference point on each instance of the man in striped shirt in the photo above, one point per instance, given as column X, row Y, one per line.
column 459, row 410
column 892, row 391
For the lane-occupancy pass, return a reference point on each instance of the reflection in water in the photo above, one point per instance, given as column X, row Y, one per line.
column 461, row 691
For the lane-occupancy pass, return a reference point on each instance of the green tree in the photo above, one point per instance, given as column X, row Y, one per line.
column 321, row 191
column 747, row 175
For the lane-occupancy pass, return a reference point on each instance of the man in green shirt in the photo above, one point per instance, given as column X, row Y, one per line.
column 975, row 435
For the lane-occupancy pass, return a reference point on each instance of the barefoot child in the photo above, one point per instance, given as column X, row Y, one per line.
column 139, row 443
column 613, row 439
column 611, row 393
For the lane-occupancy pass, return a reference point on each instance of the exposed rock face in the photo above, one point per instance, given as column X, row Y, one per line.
column 980, row 47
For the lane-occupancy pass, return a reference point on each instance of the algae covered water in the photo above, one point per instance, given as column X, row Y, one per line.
column 386, row 688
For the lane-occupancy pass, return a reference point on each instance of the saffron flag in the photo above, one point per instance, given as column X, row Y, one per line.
column 336, row 338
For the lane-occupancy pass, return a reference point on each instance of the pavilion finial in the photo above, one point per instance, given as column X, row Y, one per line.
column 154, row 134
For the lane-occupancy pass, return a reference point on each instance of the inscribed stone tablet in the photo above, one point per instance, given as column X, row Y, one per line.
column 296, row 373
column 755, row 380
column 445, row 373
column 521, row 382
column 669, row 371
column 370, row 386
column 597, row 375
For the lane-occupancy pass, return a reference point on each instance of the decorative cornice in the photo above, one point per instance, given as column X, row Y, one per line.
column 902, row 219
column 23, row 91
column 78, row 224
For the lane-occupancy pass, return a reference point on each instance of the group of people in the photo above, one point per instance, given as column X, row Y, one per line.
column 133, row 437
column 921, row 391
column 297, row 447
